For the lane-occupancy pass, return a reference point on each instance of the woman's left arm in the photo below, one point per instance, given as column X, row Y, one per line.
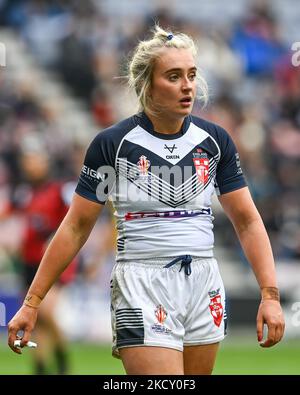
column 240, row 208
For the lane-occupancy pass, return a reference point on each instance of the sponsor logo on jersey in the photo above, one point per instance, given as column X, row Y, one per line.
column 172, row 157
column 201, row 163
column 170, row 149
column 238, row 163
column 215, row 306
column 167, row 214
column 161, row 315
column 91, row 173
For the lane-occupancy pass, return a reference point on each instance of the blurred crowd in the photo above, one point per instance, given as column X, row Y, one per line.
column 254, row 95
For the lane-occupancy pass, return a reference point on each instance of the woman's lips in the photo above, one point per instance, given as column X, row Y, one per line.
column 186, row 102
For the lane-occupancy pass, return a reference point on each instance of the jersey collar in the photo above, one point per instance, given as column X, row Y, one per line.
column 146, row 124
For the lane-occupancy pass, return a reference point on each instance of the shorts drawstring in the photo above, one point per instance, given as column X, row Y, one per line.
column 185, row 262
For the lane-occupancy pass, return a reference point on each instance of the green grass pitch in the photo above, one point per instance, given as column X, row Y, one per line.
column 241, row 357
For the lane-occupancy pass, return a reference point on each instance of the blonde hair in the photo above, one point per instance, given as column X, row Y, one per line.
column 143, row 59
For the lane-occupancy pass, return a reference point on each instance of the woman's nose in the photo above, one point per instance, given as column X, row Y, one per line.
column 186, row 84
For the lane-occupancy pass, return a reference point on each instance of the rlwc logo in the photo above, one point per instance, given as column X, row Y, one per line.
column 161, row 315
column 143, row 165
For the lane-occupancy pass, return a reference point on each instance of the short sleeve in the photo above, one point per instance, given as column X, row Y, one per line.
column 97, row 175
column 229, row 176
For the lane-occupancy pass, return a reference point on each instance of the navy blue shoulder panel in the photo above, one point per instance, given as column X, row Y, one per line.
column 102, row 152
column 229, row 175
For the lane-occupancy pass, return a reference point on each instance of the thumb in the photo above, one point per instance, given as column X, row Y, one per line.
column 259, row 327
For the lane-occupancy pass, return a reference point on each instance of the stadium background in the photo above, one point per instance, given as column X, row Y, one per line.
column 61, row 85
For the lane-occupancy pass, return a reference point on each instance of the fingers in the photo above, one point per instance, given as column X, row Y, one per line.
column 270, row 313
column 270, row 336
column 13, row 330
column 12, row 336
column 24, row 320
column 25, row 338
column 260, row 328
column 275, row 333
column 280, row 331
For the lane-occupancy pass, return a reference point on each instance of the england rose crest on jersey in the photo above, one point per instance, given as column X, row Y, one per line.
column 201, row 163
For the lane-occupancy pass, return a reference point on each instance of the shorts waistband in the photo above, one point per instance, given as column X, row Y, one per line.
column 162, row 261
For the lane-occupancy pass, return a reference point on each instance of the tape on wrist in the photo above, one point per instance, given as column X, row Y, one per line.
column 32, row 301
column 270, row 293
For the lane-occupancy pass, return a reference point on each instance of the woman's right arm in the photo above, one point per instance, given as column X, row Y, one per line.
column 67, row 241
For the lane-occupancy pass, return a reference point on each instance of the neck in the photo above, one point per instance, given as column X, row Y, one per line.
column 164, row 124
column 39, row 182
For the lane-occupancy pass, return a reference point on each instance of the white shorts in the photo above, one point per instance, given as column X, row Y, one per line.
column 164, row 307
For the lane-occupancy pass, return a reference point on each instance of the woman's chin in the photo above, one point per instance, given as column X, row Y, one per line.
column 185, row 111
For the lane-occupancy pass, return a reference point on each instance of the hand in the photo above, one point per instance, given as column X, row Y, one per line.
column 24, row 320
column 270, row 313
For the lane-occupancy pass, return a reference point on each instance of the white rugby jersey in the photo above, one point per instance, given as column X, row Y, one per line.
column 161, row 184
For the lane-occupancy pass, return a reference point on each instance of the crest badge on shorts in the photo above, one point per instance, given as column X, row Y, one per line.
column 201, row 163
column 215, row 306
column 161, row 315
